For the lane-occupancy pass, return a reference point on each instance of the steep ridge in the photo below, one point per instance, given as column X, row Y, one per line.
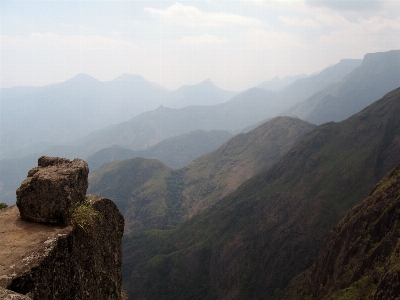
column 360, row 259
column 253, row 242
column 378, row 74
column 163, row 198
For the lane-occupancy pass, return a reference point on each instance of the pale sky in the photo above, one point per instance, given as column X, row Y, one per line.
column 236, row 43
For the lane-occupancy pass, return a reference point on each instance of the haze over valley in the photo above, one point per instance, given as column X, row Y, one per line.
column 252, row 147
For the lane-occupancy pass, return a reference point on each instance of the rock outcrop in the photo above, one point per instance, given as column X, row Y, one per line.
column 360, row 259
column 52, row 189
column 7, row 294
column 78, row 258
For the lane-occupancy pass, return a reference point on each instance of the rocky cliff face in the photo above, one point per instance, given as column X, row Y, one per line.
column 74, row 251
column 361, row 257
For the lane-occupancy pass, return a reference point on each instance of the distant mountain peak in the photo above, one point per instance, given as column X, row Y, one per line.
column 204, row 85
column 208, row 80
column 82, row 77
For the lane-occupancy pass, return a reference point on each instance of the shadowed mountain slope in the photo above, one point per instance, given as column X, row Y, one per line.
column 204, row 181
column 360, row 259
column 254, row 241
column 378, row 74
column 217, row 174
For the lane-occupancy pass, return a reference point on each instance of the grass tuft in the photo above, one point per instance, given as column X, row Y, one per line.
column 84, row 216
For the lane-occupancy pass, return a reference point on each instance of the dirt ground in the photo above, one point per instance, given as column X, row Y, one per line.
column 19, row 239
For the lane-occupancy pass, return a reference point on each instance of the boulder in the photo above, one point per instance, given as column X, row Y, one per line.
column 52, row 189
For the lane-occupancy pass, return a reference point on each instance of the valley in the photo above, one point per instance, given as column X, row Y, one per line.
column 233, row 197
column 250, row 243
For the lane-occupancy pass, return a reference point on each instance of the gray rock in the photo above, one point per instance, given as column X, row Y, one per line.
column 52, row 189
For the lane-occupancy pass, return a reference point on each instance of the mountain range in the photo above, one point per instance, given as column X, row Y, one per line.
column 175, row 152
column 331, row 95
column 253, row 218
column 251, row 243
column 378, row 74
column 165, row 199
column 245, row 109
column 37, row 118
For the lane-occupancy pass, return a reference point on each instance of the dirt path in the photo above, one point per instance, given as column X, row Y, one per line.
column 18, row 240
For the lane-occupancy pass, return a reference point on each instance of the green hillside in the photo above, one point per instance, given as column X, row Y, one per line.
column 360, row 259
column 217, row 174
column 254, row 241
column 138, row 188
column 179, row 194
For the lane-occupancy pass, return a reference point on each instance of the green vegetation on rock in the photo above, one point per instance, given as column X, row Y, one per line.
column 84, row 216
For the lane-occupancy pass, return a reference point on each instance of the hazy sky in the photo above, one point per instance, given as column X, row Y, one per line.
column 236, row 43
